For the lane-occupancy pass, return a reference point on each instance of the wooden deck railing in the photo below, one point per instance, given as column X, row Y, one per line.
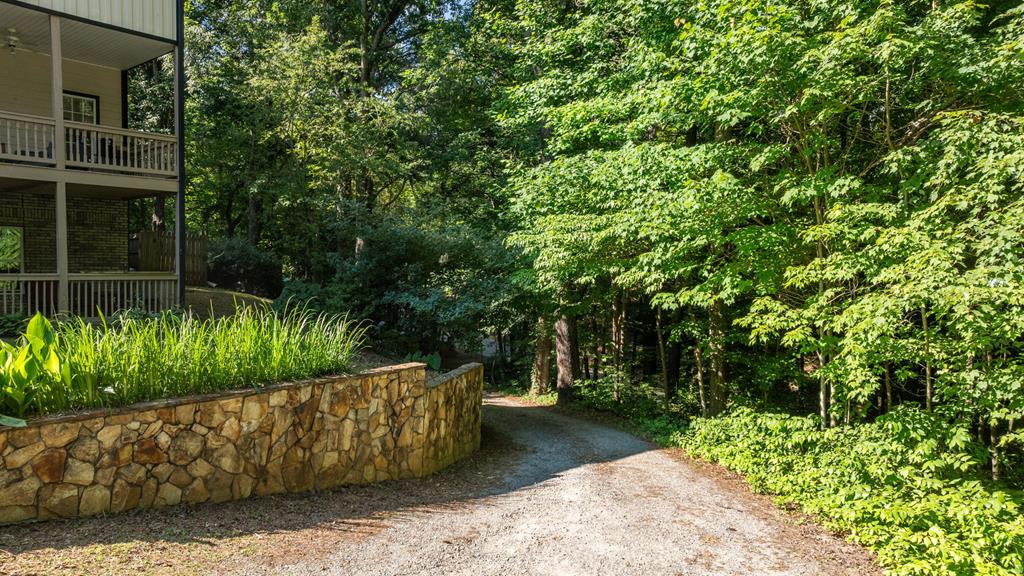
column 25, row 138
column 26, row 294
column 29, row 139
column 89, row 295
column 90, row 146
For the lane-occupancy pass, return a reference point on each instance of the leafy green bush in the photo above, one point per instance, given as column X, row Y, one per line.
column 238, row 265
column 30, row 369
column 907, row 486
column 433, row 360
column 642, row 403
column 910, row 486
column 11, row 325
column 80, row 365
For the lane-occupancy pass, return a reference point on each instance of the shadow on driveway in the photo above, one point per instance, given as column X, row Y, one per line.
column 521, row 446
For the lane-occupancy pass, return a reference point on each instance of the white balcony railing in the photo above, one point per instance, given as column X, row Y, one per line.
column 29, row 139
column 89, row 295
column 26, row 294
column 90, row 146
column 26, row 138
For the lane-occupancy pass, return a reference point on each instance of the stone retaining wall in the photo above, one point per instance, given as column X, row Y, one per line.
column 385, row 424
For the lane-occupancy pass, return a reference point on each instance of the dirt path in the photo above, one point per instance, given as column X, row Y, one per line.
column 549, row 494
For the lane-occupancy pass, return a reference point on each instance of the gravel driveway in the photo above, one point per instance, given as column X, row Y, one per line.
column 588, row 499
column 549, row 494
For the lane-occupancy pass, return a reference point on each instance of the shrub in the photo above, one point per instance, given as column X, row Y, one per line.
column 134, row 359
column 29, row 370
column 907, row 486
column 236, row 264
column 11, row 325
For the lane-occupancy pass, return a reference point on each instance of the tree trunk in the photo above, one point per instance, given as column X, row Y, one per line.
column 927, row 362
column 698, row 359
column 993, row 436
column 675, row 355
column 833, row 402
column 567, row 357
column 159, row 217
column 618, row 342
column 663, row 360
column 824, row 395
column 888, row 388
column 540, row 379
column 253, row 214
column 716, row 357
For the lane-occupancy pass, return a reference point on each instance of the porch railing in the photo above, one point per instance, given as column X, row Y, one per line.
column 90, row 146
column 89, row 295
column 26, row 138
column 92, row 294
column 26, row 294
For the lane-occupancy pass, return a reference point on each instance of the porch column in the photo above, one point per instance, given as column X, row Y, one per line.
column 57, row 92
column 57, row 110
column 179, row 122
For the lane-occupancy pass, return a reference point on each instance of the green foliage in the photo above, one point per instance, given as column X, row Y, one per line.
column 831, row 191
column 906, row 486
column 11, row 325
column 32, row 369
column 237, row 265
column 641, row 403
column 131, row 359
column 433, row 360
column 11, row 252
column 424, row 289
column 910, row 486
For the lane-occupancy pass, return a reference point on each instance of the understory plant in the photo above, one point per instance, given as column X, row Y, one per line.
column 909, row 486
column 131, row 359
column 29, row 370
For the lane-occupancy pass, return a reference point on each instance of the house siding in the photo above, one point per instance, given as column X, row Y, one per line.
column 97, row 231
column 25, row 85
column 152, row 17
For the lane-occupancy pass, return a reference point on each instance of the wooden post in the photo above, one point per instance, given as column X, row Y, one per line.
column 61, row 192
column 179, row 121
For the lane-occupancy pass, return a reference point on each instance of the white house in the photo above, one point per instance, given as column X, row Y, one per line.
column 69, row 165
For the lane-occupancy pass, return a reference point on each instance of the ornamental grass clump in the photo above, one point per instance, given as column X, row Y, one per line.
column 128, row 359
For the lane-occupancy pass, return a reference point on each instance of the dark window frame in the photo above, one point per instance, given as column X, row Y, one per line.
column 93, row 97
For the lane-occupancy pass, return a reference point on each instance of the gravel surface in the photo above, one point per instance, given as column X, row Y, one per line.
column 588, row 499
column 549, row 493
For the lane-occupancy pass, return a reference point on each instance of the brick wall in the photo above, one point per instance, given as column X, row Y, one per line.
column 97, row 231
column 34, row 212
column 97, row 235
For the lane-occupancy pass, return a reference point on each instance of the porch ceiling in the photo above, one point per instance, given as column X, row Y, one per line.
column 17, row 185
column 85, row 190
column 80, row 41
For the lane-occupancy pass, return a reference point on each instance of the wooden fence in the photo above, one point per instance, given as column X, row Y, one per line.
column 154, row 252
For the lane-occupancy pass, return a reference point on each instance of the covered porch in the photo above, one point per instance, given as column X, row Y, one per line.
column 76, row 257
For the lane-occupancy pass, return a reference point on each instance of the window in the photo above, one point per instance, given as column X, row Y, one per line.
column 81, row 108
column 11, row 250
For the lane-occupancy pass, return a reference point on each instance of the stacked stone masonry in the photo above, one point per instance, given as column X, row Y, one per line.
column 386, row 424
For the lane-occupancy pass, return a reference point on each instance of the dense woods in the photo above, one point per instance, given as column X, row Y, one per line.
column 697, row 206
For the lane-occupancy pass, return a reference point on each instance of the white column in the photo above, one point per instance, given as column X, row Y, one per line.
column 57, row 91
column 57, row 94
column 179, row 236
column 62, row 247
